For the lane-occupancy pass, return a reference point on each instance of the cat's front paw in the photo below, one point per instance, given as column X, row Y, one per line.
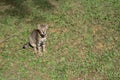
column 39, row 54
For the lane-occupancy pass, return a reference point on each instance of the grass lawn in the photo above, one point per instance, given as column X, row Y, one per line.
column 83, row 40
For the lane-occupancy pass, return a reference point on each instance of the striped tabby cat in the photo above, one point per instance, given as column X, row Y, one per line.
column 37, row 39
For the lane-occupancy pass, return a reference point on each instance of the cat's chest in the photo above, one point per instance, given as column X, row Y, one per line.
column 42, row 41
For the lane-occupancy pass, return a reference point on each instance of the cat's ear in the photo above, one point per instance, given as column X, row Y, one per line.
column 46, row 26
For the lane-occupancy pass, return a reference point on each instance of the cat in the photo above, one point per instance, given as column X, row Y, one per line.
column 37, row 39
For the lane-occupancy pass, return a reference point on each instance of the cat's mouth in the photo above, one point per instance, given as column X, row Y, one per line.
column 43, row 35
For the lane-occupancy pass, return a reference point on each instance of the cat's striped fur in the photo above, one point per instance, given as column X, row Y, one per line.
column 37, row 39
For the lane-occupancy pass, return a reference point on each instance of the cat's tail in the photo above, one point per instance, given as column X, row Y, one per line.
column 26, row 45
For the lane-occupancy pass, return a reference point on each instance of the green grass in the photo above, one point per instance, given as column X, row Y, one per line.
column 83, row 40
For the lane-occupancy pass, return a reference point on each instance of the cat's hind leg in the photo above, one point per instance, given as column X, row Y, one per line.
column 35, row 50
column 34, row 47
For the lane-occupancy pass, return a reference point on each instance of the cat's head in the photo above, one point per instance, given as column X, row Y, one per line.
column 42, row 29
